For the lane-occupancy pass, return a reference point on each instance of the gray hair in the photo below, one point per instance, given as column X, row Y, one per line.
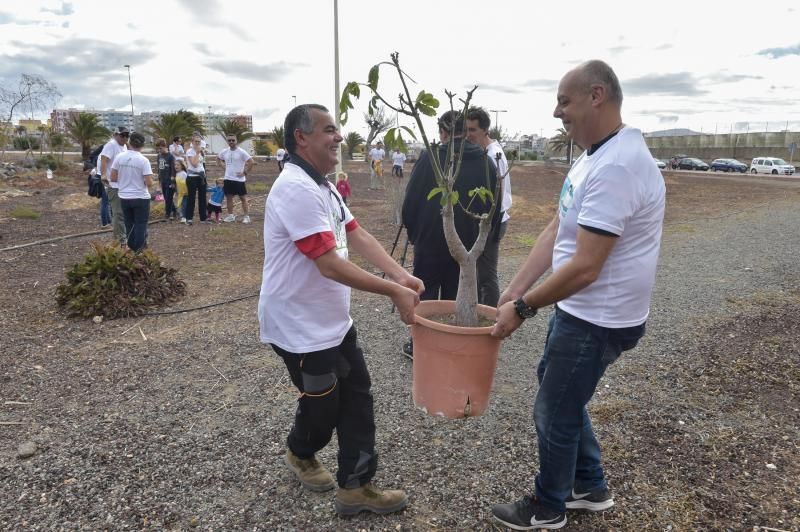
column 299, row 118
column 596, row 72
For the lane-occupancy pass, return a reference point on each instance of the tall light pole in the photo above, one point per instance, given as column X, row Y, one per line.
column 496, row 118
column 336, row 80
column 295, row 100
column 130, row 88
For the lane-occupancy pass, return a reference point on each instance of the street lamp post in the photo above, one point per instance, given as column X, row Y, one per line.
column 295, row 100
column 130, row 89
column 336, row 80
column 496, row 118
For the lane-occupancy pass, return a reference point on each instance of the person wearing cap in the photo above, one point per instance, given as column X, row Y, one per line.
column 114, row 147
column 133, row 175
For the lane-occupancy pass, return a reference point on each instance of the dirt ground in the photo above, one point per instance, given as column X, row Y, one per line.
column 177, row 391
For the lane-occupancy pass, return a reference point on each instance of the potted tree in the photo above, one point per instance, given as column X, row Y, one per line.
column 454, row 378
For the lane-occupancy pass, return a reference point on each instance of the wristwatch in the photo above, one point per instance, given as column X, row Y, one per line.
column 524, row 311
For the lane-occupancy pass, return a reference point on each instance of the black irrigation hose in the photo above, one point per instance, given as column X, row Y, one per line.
column 166, row 312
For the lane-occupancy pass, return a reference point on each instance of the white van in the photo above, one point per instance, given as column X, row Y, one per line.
column 771, row 165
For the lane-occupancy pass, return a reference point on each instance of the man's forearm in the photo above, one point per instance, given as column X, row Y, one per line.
column 343, row 271
column 363, row 243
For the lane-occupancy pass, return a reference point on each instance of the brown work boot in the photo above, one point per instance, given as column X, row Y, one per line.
column 369, row 498
column 311, row 474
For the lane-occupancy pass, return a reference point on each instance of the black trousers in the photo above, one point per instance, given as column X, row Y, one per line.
column 440, row 273
column 488, row 284
column 196, row 186
column 335, row 387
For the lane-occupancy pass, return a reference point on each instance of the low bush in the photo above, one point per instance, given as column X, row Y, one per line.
column 117, row 283
column 50, row 161
column 25, row 212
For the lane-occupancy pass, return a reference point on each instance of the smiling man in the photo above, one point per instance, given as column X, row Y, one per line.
column 603, row 246
column 304, row 312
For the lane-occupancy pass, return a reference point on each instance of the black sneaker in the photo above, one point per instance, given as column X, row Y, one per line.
column 528, row 514
column 408, row 349
column 594, row 501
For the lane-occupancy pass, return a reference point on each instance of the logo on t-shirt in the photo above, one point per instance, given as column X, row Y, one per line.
column 567, row 196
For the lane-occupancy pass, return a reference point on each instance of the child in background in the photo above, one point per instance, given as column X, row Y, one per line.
column 217, row 195
column 181, row 188
column 343, row 186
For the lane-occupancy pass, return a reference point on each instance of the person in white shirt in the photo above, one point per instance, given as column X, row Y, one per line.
column 237, row 164
column 132, row 173
column 478, row 124
column 376, row 156
column 398, row 160
column 114, row 147
column 196, row 182
column 176, row 148
column 603, row 245
column 280, row 155
column 304, row 314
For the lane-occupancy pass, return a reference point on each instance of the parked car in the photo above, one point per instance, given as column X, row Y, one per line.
column 660, row 163
column 771, row 165
column 690, row 163
column 728, row 165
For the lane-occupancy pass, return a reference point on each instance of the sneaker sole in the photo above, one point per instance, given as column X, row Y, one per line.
column 581, row 504
column 353, row 509
column 541, row 526
column 318, row 488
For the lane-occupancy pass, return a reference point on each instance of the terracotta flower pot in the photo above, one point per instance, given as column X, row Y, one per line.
column 453, row 366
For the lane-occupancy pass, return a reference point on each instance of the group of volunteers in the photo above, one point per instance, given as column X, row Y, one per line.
column 602, row 246
column 127, row 179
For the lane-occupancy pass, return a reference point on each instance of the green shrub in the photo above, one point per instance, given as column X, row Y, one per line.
column 25, row 143
column 25, row 212
column 50, row 161
column 261, row 147
column 116, row 283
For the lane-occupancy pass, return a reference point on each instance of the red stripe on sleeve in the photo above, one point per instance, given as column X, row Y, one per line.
column 351, row 226
column 316, row 245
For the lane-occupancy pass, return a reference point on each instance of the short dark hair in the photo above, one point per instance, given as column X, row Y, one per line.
column 136, row 140
column 452, row 122
column 299, row 118
column 480, row 114
column 176, row 139
column 599, row 72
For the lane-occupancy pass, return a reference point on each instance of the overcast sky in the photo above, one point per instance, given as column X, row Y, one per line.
column 686, row 64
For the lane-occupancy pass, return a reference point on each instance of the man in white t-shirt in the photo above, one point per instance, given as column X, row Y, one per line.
column 237, row 164
column 280, row 155
column 603, row 246
column 478, row 124
column 133, row 175
column 398, row 160
column 114, row 147
column 376, row 156
column 176, row 148
column 304, row 314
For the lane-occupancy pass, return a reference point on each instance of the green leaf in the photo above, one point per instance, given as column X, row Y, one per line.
column 434, row 191
column 454, row 197
column 409, row 132
column 388, row 139
column 373, row 77
column 427, row 111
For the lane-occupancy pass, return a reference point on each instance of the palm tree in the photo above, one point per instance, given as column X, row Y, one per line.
column 193, row 120
column 229, row 127
column 84, row 129
column 562, row 142
column 277, row 136
column 169, row 126
column 352, row 140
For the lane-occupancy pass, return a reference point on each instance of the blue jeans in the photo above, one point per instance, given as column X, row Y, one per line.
column 576, row 354
column 105, row 209
column 136, row 213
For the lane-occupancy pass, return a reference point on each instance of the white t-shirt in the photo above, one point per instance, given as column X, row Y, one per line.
column 131, row 168
column 299, row 309
column 110, row 150
column 194, row 170
column 618, row 189
column 234, row 163
column 398, row 158
column 492, row 150
column 176, row 150
column 376, row 154
column 280, row 154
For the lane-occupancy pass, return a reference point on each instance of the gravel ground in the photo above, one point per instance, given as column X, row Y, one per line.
column 179, row 421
